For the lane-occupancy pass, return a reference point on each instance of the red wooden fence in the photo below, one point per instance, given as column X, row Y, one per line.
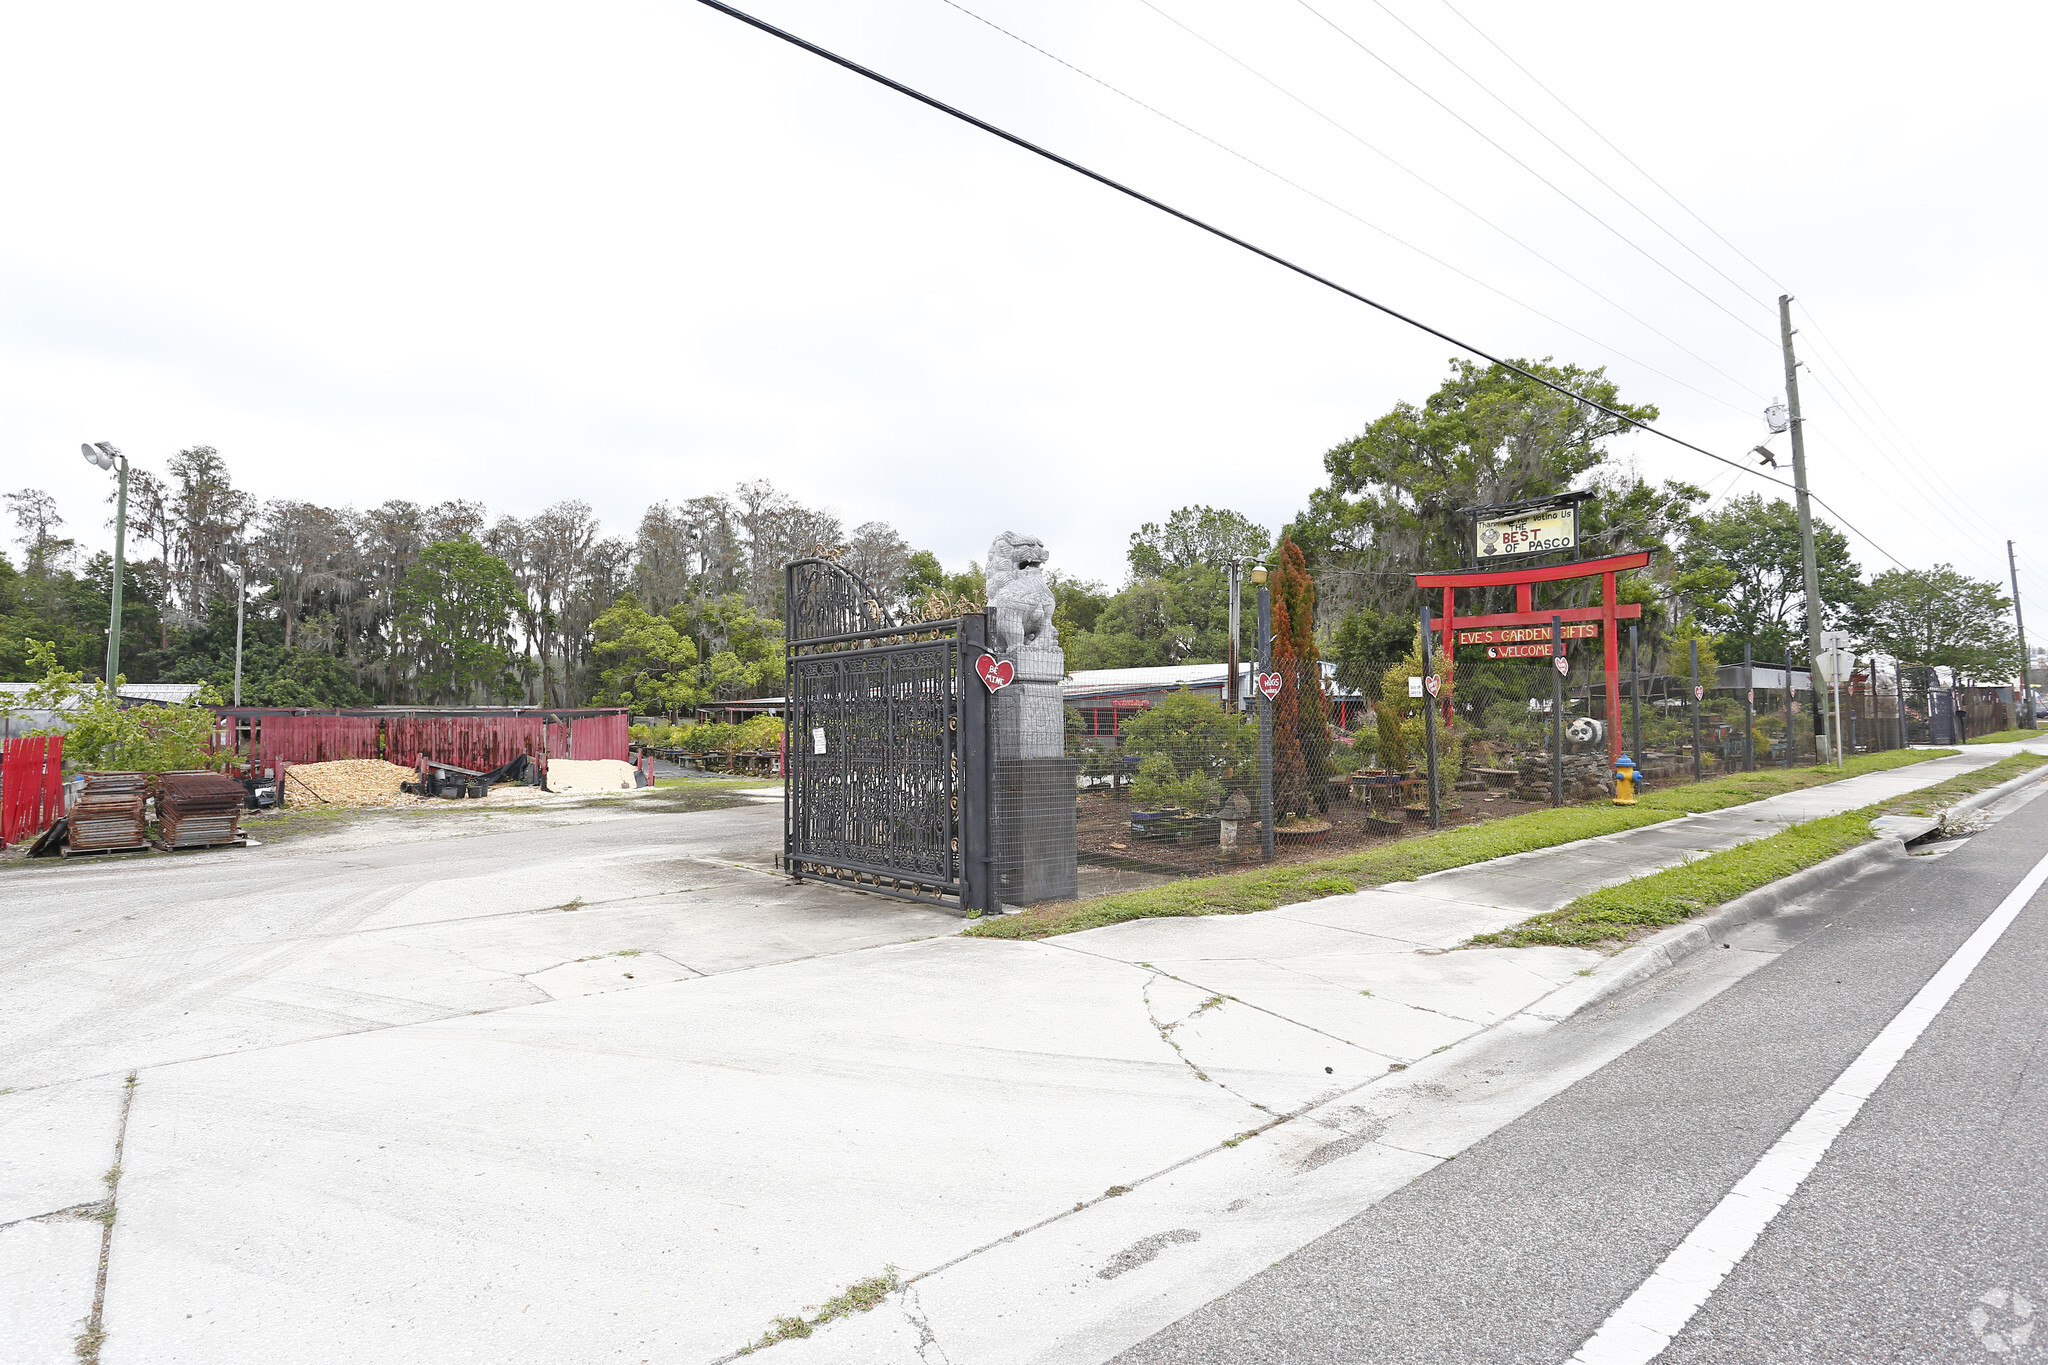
column 479, row 743
column 597, row 737
column 314, row 739
column 31, row 787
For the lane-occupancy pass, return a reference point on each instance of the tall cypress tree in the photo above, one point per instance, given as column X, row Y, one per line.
column 1301, row 713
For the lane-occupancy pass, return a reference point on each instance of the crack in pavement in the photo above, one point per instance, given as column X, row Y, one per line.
column 927, row 1340
column 89, row 1340
column 90, row 1209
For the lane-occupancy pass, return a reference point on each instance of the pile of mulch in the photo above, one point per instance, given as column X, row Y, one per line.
column 355, row 783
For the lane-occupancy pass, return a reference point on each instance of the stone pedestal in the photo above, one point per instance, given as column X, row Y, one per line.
column 1031, row 713
column 1036, row 840
column 1037, row 848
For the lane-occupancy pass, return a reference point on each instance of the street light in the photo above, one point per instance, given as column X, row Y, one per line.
column 107, row 456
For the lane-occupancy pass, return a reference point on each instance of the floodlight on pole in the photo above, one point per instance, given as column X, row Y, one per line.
column 106, row 455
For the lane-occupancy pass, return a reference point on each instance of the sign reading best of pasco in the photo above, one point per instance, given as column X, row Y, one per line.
column 1529, row 533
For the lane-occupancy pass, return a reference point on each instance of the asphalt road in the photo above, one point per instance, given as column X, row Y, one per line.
column 1921, row 1236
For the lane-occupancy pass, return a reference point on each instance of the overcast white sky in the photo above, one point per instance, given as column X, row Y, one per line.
column 636, row 251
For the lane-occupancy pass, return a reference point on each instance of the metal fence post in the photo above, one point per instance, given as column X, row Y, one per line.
column 1635, row 697
column 1556, row 711
column 1697, row 695
column 1791, row 735
column 1265, row 718
column 1436, row 810
column 1899, row 675
column 980, row 893
column 1748, row 711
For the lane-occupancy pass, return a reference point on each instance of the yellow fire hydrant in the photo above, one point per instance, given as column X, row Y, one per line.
column 1625, row 781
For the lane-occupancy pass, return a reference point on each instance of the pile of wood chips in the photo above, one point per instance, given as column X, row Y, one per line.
column 360, row 783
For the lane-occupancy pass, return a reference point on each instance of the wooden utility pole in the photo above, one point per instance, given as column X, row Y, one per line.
column 1806, row 555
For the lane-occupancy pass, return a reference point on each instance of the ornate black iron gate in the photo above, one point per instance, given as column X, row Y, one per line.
column 886, row 781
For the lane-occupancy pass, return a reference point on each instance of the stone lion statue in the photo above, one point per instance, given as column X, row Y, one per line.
column 1020, row 602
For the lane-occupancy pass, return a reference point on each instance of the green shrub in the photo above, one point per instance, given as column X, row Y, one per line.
column 102, row 735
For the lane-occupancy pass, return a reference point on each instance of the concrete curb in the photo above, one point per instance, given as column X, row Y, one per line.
column 1666, row 948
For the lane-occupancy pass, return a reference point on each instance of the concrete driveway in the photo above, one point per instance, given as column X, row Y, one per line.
column 609, row 1089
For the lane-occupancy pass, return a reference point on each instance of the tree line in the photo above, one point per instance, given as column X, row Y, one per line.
column 411, row 604
column 444, row 604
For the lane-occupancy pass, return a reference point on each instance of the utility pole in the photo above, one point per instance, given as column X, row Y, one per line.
column 1806, row 555
column 2026, row 679
column 241, row 599
column 108, row 456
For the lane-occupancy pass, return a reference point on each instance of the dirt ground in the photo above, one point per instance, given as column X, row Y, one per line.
column 1107, row 841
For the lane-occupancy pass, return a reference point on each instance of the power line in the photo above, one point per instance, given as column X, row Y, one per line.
column 1367, row 223
column 1559, row 191
column 1559, row 99
column 1452, row 199
column 1493, row 95
column 1940, row 501
column 1016, row 140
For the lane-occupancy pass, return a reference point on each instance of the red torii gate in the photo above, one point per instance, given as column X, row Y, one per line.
column 1524, row 581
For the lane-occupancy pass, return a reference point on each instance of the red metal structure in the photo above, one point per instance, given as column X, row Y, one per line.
column 1527, row 615
column 31, row 787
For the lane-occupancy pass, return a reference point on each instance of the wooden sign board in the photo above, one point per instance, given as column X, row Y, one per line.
column 1528, row 533
column 1515, row 635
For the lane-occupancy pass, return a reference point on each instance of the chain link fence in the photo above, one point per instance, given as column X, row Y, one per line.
column 1177, row 784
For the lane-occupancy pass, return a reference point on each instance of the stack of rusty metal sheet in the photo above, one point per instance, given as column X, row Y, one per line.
column 199, row 810
column 109, row 815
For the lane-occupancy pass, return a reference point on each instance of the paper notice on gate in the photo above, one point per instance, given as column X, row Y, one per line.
column 818, row 740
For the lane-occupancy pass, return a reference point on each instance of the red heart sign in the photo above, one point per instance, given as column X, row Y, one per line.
column 995, row 674
column 1430, row 684
column 1699, row 694
column 1561, row 664
column 1269, row 683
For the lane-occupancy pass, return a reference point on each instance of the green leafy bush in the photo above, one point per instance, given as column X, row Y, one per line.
column 102, row 735
column 1159, row 785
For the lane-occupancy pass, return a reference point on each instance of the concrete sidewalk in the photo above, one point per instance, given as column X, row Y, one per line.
column 655, row 1173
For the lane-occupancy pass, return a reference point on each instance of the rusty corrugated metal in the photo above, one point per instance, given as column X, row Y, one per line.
column 199, row 809
column 109, row 815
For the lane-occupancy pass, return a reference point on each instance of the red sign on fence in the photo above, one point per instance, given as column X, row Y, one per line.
column 31, row 787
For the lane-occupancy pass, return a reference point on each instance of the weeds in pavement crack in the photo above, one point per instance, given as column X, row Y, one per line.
column 87, row 1347
column 858, row 1297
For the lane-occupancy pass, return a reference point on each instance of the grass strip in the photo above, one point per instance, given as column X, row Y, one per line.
column 1268, row 888
column 1612, row 915
column 2010, row 736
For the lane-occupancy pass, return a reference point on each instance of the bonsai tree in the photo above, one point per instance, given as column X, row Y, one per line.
column 1159, row 784
column 1403, row 731
column 1188, row 747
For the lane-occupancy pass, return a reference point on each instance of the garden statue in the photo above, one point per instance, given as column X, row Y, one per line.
column 1020, row 602
column 1036, row 842
column 1031, row 720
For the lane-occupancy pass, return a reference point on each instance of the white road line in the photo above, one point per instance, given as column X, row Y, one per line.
column 1638, row 1331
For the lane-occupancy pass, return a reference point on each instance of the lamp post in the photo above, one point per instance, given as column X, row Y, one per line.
column 1265, row 715
column 107, row 456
